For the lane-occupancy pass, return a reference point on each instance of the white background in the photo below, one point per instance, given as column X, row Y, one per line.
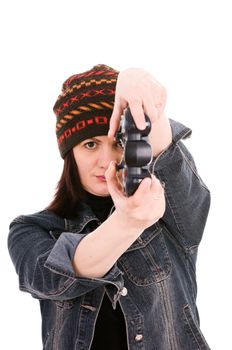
column 186, row 45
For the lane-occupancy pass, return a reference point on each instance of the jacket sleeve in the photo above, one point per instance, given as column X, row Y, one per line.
column 187, row 197
column 44, row 266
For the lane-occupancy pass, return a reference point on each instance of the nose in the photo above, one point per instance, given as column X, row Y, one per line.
column 106, row 155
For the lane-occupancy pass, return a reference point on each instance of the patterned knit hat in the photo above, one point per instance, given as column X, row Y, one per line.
column 84, row 107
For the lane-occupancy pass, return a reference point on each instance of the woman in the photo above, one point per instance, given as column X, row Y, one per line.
column 111, row 271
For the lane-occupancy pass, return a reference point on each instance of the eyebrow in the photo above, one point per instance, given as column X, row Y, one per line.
column 92, row 139
column 96, row 139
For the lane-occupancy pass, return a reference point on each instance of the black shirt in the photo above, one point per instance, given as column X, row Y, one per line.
column 110, row 330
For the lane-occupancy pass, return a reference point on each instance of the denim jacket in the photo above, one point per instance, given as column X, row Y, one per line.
column 154, row 280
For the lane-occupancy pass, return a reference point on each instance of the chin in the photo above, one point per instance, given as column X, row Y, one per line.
column 100, row 191
column 103, row 193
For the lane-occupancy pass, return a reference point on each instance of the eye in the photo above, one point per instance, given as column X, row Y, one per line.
column 90, row 145
column 118, row 144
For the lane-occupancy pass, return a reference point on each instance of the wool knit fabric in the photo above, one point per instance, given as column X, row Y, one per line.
column 84, row 107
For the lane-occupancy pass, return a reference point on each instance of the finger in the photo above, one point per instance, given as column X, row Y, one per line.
column 160, row 100
column 114, row 187
column 148, row 185
column 144, row 187
column 115, row 118
column 136, row 108
column 114, row 121
column 156, row 186
column 150, row 108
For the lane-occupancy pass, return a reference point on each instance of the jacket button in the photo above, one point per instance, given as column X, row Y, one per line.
column 124, row 291
column 138, row 337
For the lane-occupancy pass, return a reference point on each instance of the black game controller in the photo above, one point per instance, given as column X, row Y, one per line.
column 137, row 152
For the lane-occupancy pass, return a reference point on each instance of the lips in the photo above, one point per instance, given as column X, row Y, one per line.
column 101, row 178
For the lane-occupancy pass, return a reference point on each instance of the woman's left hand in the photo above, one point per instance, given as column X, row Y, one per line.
column 139, row 90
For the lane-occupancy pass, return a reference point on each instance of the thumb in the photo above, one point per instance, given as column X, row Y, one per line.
column 114, row 187
column 144, row 186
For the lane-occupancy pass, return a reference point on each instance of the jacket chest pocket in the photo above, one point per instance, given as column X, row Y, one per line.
column 147, row 260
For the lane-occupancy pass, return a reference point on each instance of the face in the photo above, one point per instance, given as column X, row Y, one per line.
column 93, row 157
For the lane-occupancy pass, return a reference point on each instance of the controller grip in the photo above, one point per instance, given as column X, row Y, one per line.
column 132, row 179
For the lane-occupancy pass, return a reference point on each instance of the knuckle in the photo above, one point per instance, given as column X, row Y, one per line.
column 135, row 101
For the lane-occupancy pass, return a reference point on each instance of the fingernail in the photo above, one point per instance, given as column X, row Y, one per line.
column 111, row 165
column 110, row 135
column 141, row 126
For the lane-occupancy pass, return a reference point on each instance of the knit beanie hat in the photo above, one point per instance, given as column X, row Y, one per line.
column 84, row 107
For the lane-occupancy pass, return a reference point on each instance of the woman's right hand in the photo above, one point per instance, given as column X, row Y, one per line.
column 98, row 251
column 145, row 207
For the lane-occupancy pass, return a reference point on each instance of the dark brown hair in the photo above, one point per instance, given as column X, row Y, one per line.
column 69, row 191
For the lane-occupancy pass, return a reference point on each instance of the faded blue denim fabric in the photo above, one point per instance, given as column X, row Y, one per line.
column 154, row 280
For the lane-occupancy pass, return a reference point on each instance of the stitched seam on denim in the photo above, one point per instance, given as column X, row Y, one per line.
column 182, row 135
column 161, row 156
column 59, row 318
column 156, row 276
column 173, row 238
column 190, row 320
column 171, row 202
column 138, row 322
column 42, row 295
column 168, row 316
column 175, row 141
column 48, row 336
column 192, row 168
column 79, row 323
column 164, row 272
column 66, row 224
column 142, row 242
column 84, row 224
column 145, row 281
column 126, row 326
column 60, row 272
column 140, row 281
column 19, row 220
